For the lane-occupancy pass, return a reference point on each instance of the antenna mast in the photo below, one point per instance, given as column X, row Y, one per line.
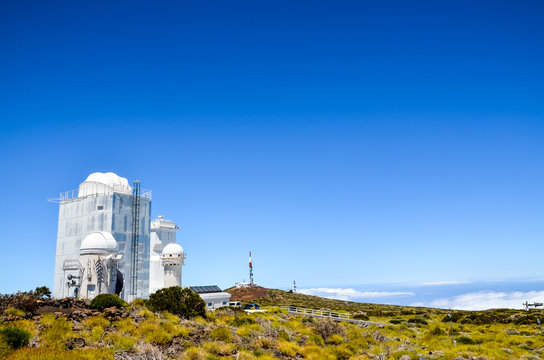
column 135, row 239
column 294, row 286
column 250, row 271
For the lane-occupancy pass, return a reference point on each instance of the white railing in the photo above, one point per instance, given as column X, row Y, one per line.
column 68, row 195
column 324, row 313
column 71, row 195
column 146, row 194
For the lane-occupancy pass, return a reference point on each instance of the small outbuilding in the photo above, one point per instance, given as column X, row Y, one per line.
column 213, row 296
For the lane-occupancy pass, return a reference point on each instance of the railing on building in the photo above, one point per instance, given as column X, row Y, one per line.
column 72, row 195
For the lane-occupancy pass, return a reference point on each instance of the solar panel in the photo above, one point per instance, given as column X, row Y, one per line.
column 205, row 289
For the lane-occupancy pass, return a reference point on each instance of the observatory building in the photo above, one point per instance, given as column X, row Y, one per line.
column 172, row 259
column 98, row 258
column 106, row 242
column 163, row 242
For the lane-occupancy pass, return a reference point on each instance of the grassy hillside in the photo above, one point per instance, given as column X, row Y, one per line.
column 274, row 297
column 68, row 329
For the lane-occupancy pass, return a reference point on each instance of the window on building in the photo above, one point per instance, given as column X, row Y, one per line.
column 210, row 304
column 100, row 207
column 224, row 303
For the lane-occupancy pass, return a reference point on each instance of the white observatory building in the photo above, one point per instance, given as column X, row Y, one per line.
column 163, row 241
column 98, row 258
column 106, row 242
column 172, row 259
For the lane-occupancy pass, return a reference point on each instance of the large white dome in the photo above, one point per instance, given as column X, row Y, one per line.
column 104, row 183
column 97, row 243
column 172, row 250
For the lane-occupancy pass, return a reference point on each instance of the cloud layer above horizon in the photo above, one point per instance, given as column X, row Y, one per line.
column 350, row 294
column 483, row 300
column 480, row 300
column 440, row 283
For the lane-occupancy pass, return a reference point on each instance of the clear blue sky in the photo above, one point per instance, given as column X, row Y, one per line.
column 342, row 142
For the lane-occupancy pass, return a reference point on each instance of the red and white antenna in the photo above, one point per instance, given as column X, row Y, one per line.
column 250, row 270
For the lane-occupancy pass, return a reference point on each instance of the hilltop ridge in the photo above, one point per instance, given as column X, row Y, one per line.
column 276, row 297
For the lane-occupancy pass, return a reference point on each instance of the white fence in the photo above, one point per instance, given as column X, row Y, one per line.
column 315, row 312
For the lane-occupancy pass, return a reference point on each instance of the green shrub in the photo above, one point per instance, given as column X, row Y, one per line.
column 418, row 321
column 454, row 317
column 283, row 335
column 194, row 353
column 56, row 331
column 119, row 342
column 5, row 349
column 153, row 330
column 42, row 292
column 335, row 339
column 49, row 354
column 497, row 316
column 341, row 352
column 182, row 302
column 360, row 317
column 527, row 319
column 436, row 331
column 14, row 312
column 248, row 330
column 219, row 349
column 315, row 339
column 396, row 321
column 287, row 348
column 160, row 337
column 138, row 303
column 221, row 334
column 327, row 327
column 97, row 321
column 103, row 301
column 465, row 340
column 264, row 343
column 241, row 320
column 15, row 337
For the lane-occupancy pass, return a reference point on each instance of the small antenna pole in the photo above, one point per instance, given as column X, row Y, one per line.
column 250, row 271
column 451, row 327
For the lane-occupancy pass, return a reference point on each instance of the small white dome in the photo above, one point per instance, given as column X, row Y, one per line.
column 173, row 250
column 98, row 242
column 104, row 183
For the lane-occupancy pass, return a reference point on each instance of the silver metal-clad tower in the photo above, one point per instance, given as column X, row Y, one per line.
column 104, row 202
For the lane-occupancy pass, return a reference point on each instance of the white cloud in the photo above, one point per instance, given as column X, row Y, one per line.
column 484, row 300
column 418, row 304
column 448, row 282
column 351, row 294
